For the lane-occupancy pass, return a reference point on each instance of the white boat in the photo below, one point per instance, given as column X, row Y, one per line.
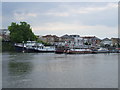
column 79, row 51
column 43, row 48
column 102, row 50
column 25, row 47
column 33, row 46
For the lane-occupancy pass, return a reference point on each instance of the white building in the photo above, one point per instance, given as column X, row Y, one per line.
column 106, row 41
column 77, row 41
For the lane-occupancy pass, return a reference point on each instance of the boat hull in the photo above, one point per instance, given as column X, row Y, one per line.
column 44, row 51
column 59, row 51
column 20, row 49
column 78, row 52
column 102, row 52
column 24, row 49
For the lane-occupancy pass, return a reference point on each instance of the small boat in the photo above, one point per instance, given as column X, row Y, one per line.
column 79, row 51
column 102, row 50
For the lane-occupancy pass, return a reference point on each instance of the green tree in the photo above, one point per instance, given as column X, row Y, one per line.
column 21, row 32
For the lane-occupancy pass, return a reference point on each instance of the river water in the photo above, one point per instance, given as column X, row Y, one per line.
column 49, row 70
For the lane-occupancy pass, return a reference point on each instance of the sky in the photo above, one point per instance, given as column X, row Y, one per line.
column 59, row 18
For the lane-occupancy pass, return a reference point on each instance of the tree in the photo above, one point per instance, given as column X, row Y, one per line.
column 21, row 32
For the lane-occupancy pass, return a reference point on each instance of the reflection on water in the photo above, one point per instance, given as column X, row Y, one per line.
column 18, row 68
column 37, row 70
column 19, row 64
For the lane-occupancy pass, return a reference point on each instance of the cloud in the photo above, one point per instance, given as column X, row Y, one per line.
column 87, row 18
column 23, row 16
column 63, row 28
column 61, row 14
column 67, row 10
column 55, row 26
column 0, row 21
column 95, row 9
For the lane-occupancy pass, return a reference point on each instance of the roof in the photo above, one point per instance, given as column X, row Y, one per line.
column 115, row 38
column 106, row 39
column 74, row 35
column 70, row 36
column 88, row 37
column 94, row 37
column 50, row 36
column 65, row 36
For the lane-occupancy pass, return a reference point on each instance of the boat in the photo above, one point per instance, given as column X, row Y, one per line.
column 79, row 51
column 19, row 47
column 33, row 46
column 102, row 50
column 61, row 49
column 25, row 47
column 118, row 50
column 42, row 48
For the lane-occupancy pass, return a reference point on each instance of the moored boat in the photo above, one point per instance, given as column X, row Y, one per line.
column 79, row 51
column 19, row 47
column 45, row 49
column 118, row 50
column 25, row 47
column 102, row 50
column 32, row 46
column 61, row 49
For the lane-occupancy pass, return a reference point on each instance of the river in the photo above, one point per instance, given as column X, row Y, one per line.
column 49, row 70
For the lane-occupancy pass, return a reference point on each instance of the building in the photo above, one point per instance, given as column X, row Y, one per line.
column 115, row 41
column 52, row 39
column 77, row 41
column 106, row 42
column 5, row 34
column 65, row 40
column 91, row 41
column 81, row 42
column 73, row 41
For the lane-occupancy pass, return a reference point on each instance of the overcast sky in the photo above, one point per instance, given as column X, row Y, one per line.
column 84, row 18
